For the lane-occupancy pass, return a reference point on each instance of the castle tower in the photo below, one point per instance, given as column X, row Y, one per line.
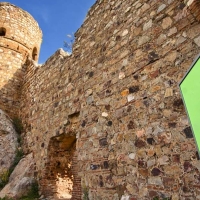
column 20, row 38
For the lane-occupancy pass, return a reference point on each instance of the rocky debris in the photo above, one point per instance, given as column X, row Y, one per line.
column 21, row 179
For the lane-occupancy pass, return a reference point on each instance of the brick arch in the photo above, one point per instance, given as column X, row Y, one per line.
column 194, row 7
column 61, row 173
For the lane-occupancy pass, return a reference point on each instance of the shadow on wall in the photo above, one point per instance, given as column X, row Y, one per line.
column 61, row 166
column 10, row 91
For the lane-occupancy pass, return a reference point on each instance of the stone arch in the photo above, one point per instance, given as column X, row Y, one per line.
column 2, row 31
column 34, row 54
column 61, row 169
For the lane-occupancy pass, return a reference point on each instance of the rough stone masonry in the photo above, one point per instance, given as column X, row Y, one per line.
column 109, row 118
column 20, row 38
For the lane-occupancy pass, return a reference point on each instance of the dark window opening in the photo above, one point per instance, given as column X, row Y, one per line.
column 34, row 54
column 2, row 31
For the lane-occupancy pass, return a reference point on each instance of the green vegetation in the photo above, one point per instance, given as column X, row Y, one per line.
column 158, row 198
column 18, row 125
column 68, row 43
column 4, row 176
column 18, row 156
column 31, row 195
column 6, row 198
column 85, row 193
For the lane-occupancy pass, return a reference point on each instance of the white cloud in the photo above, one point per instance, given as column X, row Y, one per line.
column 41, row 12
column 45, row 15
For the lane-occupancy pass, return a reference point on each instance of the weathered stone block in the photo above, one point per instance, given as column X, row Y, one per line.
column 155, row 181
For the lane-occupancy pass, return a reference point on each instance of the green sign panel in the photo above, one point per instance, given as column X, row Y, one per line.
column 190, row 89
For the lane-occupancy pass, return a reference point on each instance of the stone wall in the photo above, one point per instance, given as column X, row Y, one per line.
column 20, row 38
column 118, row 95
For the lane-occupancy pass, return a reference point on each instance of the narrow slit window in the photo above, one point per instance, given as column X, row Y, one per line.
column 2, row 31
column 34, row 54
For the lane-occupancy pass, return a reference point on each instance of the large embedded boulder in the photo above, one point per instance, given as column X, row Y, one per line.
column 21, row 179
column 8, row 142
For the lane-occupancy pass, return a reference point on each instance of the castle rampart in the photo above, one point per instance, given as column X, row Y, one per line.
column 108, row 120
column 118, row 95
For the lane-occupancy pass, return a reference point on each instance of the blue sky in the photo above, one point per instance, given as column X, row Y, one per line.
column 57, row 19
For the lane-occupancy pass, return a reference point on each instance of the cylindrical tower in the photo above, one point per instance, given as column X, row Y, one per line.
column 20, row 38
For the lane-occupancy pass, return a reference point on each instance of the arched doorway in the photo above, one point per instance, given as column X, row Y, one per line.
column 61, row 171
